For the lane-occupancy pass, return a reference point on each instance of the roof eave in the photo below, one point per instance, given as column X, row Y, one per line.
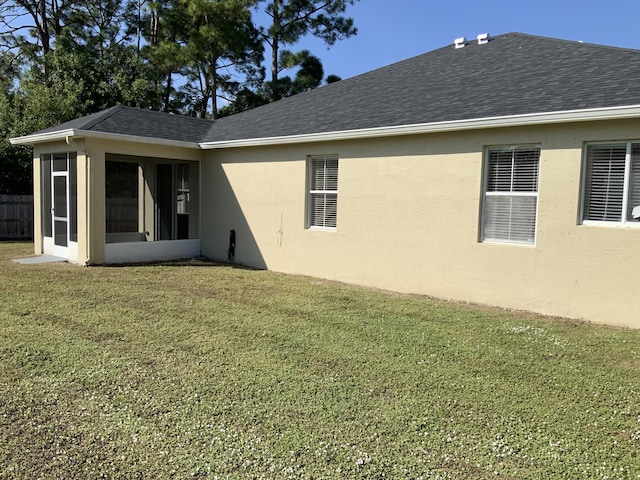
column 43, row 137
column 70, row 134
column 584, row 115
column 593, row 114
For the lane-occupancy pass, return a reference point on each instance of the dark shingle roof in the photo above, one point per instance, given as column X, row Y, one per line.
column 514, row 74
column 511, row 75
column 139, row 123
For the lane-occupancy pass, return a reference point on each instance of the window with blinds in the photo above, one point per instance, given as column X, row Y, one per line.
column 511, row 194
column 611, row 182
column 323, row 192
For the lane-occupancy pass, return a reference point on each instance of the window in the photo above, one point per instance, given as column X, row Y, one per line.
column 611, row 183
column 323, row 192
column 511, row 194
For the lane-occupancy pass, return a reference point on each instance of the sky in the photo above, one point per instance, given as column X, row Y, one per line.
column 393, row 30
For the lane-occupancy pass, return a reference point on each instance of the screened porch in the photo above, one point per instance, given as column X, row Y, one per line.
column 151, row 208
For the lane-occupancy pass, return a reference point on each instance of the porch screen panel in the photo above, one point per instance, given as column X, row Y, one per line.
column 47, row 227
column 121, row 188
column 183, row 200
column 60, row 196
column 60, row 218
column 60, row 162
column 165, row 201
column 60, row 238
column 73, row 197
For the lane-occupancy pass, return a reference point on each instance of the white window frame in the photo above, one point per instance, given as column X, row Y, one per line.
column 311, row 193
column 623, row 222
column 486, row 194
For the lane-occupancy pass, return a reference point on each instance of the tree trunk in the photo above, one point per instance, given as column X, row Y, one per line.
column 43, row 30
column 167, row 92
column 139, row 27
column 274, row 50
column 213, row 85
column 43, row 27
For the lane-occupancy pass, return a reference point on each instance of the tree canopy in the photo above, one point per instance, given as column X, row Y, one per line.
column 290, row 20
column 61, row 59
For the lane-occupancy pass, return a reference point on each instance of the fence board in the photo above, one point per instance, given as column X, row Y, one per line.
column 16, row 217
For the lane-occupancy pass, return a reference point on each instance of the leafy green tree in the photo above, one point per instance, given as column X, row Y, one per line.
column 15, row 168
column 293, row 19
column 308, row 76
column 80, row 56
column 220, row 42
column 162, row 27
column 60, row 99
column 96, row 48
column 245, row 99
column 212, row 44
column 333, row 78
column 98, row 25
column 9, row 70
column 116, row 75
column 15, row 161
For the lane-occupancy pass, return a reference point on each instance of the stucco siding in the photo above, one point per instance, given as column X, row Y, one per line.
column 409, row 217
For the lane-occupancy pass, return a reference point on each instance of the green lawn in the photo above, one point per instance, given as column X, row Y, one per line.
column 201, row 370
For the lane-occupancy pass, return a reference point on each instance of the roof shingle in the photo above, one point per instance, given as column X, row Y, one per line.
column 139, row 123
column 513, row 74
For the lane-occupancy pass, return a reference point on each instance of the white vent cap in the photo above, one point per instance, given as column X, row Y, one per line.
column 483, row 38
column 460, row 42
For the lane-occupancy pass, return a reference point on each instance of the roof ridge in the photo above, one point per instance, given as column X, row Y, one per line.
column 101, row 116
column 568, row 41
column 97, row 118
column 159, row 113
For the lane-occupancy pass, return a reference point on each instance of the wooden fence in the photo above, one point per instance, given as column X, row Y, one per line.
column 16, row 217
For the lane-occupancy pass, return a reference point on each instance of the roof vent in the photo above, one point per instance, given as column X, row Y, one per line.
column 483, row 38
column 460, row 42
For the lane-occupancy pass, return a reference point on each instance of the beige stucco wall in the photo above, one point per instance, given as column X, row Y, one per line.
column 409, row 218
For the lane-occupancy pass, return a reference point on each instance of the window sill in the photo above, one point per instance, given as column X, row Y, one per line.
column 323, row 229
column 507, row 242
column 622, row 225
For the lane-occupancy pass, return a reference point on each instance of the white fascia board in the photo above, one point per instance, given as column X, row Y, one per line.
column 609, row 113
column 71, row 134
column 42, row 137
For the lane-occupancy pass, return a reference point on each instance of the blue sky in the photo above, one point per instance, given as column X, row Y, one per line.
column 392, row 30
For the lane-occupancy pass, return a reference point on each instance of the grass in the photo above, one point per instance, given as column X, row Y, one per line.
column 197, row 370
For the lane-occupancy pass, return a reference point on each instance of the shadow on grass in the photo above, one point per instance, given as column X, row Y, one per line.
column 185, row 262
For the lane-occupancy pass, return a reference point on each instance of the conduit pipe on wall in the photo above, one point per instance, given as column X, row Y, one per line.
column 88, row 203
